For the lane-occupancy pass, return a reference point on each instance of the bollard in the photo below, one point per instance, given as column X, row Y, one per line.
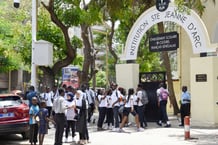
column 187, row 127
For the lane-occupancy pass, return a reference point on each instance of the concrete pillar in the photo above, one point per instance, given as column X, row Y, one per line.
column 204, row 91
column 127, row 75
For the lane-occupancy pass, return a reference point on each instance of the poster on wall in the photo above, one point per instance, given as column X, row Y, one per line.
column 70, row 77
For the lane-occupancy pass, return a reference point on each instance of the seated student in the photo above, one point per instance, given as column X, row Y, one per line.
column 128, row 108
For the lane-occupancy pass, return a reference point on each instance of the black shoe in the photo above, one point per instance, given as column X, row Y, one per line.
column 167, row 125
column 158, row 123
column 100, row 129
column 181, row 125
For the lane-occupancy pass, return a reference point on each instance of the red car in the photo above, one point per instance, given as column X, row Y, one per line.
column 14, row 115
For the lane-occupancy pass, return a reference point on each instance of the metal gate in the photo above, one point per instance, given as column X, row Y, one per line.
column 150, row 82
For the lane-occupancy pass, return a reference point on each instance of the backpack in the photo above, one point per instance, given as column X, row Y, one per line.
column 144, row 99
column 164, row 94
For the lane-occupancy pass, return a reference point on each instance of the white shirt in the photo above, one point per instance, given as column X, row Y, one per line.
column 70, row 113
column 78, row 102
column 90, row 96
column 102, row 102
column 55, row 94
column 139, row 96
column 59, row 105
column 115, row 96
column 129, row 103
column 109, row 101
column 135, row 100
column 48, row 98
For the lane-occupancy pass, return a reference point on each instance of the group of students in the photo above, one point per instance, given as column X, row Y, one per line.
column 116, row 104
column 39, row 117
column 76, row 108
column 69, row 108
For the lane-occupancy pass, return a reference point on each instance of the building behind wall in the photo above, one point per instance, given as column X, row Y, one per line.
column 14, row 80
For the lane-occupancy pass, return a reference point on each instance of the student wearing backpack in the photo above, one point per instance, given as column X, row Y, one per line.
column 163, row 94
column 129, row 108
column 142, row 100
column 116, row 105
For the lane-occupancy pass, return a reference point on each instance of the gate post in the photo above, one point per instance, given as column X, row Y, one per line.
column 127, row 75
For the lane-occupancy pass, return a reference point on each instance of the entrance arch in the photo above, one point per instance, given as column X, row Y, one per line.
column 191, row 23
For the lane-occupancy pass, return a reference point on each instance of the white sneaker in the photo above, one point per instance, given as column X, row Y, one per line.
column 66, row 140
column 121, row 130
column 115, row 129
column 73, row 140
column 140, row 129
column 111, row 127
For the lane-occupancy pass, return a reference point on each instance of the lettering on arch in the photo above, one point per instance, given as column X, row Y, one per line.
column 191, row 23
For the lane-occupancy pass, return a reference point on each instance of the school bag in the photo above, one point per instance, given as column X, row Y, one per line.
column 164, row 94
column 144, row 99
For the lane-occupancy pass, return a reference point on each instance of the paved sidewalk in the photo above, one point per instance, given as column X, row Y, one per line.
column 153, row 135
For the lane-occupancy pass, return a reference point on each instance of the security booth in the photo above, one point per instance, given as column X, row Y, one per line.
column 150, row 82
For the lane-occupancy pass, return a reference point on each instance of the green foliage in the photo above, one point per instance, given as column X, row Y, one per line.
column 101, row 79
column 50, row 32
column 12, row 23
column 196, row 5
column 71, row 13
column 149, row 61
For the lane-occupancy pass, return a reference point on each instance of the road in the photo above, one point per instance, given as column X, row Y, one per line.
column 153, row 135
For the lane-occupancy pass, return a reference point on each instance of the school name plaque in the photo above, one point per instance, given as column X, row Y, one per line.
column 201, row 77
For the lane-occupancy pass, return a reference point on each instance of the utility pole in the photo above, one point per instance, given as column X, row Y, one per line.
column 34, row 29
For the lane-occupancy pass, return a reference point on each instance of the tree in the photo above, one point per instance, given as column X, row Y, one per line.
column 11, row 25
column 66, row 14
column 53, row 8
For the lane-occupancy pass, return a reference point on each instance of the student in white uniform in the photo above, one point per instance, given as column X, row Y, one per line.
column 116, row 105
column 70, row 114
column 129, row 108
column 102, row 109
column 110, row 116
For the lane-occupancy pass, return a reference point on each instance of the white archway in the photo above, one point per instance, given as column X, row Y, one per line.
column 191, row 23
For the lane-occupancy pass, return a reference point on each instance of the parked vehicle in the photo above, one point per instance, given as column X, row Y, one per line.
column 14, row 115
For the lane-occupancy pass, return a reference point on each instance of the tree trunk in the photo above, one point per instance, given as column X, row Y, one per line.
column 166, row 62
column 85, row 76
column 48, row 78
column 70, row 50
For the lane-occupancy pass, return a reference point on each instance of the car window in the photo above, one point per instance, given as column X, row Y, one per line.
column 10, row 101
